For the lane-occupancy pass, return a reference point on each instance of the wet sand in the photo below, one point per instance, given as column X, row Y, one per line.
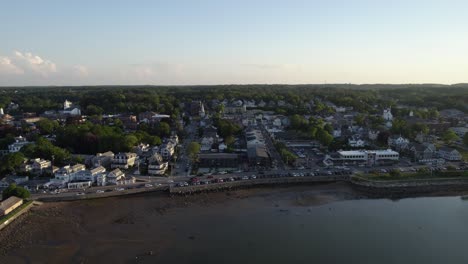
column 137, row 229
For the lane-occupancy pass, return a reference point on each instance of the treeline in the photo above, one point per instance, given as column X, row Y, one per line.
column 89, row 138
column 163, row 99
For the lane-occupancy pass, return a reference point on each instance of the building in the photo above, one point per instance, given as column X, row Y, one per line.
column 398, row 142
column 68, row 174
column 218, row 160
column 114, row 176
column 9, row 205
column 156, row 165
column 356, row 142
column 425, row 151
column 367, row 157
column 6, row 181
column 258, row 156
column 70, row 109
column 18, row 144
column 166, row 150
column 123, row 160
column 102, row 159
column 387, row 114
column 40, row 165
column 449, row 154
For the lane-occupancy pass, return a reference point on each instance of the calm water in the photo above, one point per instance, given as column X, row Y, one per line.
column 274, row 230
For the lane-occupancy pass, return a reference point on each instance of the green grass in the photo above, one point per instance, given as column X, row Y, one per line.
column 14, row 212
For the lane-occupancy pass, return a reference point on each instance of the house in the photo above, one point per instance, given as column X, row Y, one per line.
column 123, row 160
column 167, row 150
column 67, row 174
column 39, row 165
column 70, row 109
column 449, row 154
column 425, row 151
column 373, row 134
column 460, row 131
column 6, row 181
column 9, row 205
column 356, row 142
column 114, row 176
column 156, row 165
column 18, row 144
column 398, row 142
column 387, row 114
column 102, row 159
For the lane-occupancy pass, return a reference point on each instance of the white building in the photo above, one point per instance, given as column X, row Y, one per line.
column 123, row 160
column 449, row 154
column 70, row 109
column 387, row 114
column 156, row 165
column 369, row 157
column 398, row 142
column 18, row 144
column 356, row 142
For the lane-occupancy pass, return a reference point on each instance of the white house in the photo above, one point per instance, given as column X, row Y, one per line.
column 398, row 142
column 356, row 142
column 449, row 154
column 387, row 114
column 156, row 165
column 18, row 144
column 70, row 109
column 114, row 176
column 123, row 160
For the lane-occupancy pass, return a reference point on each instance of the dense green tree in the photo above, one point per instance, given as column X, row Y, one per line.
column 10, row 162
column 47, row 126
column 449, row 136
column 14, row 190
column 193, row 149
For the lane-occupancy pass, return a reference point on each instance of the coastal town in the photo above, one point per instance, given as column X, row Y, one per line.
column 204, row 143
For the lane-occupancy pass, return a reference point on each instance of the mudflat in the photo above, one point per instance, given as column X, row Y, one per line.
column 139, row 228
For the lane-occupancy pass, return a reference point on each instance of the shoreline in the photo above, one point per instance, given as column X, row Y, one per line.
column 65, row 220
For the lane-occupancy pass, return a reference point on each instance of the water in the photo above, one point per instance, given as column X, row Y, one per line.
column 419, row 230
column 309, row 224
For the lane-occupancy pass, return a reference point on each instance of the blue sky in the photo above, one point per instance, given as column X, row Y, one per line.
column 218, row 42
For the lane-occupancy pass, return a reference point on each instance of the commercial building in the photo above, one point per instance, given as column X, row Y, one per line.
column 367, row 157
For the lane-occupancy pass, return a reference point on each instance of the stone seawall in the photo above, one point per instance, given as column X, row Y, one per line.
column 406, row 188
column 255, row 182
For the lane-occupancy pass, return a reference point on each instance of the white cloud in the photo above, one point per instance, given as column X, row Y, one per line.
column 30, row 62
column 7, row 67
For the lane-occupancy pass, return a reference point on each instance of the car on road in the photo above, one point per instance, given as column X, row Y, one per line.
column 80, row 193
column 148, row 185
column 245, row 177
column 253, row 177
column 119, row 189
column 100, row 191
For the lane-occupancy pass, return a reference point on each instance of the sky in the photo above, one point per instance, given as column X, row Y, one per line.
column 176, row 42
